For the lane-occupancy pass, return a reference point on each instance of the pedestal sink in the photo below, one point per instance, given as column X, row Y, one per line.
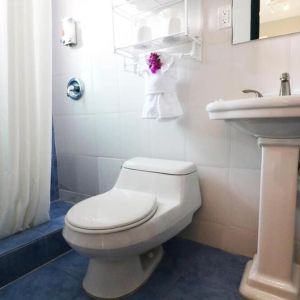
column 275, row 121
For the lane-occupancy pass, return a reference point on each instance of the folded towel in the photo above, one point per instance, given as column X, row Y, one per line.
column 160, row 90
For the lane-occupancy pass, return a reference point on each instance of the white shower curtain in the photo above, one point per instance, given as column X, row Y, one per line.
column 25, row 113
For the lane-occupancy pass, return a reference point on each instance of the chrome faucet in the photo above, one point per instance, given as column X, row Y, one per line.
column 285, row 87
column 257, row 93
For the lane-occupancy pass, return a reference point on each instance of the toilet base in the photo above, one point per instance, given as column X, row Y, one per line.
column 115, row 278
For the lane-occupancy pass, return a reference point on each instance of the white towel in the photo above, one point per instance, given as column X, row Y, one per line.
column 160, row 90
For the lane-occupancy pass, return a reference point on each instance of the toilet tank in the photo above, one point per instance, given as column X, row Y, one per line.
column 168, row 180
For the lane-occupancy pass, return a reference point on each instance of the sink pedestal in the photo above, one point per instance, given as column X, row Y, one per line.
column 272, row 274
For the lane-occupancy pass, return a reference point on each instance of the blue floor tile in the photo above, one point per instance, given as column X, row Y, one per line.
column 73, row 264
column 45, row 283
column 188, row 271
column 191, row 289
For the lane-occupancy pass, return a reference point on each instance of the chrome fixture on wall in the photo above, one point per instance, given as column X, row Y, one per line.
column 75, row 88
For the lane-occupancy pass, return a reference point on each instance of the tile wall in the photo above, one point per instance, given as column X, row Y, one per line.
column 96, row 134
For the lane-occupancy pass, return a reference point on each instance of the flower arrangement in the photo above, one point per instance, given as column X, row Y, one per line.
column 154, row 62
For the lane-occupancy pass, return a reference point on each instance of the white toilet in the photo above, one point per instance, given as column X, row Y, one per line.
column 122, row 230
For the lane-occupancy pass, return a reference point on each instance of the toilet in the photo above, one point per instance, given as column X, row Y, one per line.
column 122, row 231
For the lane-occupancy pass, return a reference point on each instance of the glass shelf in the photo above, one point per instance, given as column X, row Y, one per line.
column 155, row 44
column 142, row 26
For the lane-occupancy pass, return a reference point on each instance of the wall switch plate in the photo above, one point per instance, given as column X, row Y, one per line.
column 224, row 17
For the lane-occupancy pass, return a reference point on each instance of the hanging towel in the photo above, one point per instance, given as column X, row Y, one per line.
column 160, row 90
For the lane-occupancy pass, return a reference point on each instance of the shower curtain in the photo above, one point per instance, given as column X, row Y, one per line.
column 25, row 113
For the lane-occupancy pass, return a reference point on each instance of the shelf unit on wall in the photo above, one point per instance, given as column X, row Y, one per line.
column 144, row 26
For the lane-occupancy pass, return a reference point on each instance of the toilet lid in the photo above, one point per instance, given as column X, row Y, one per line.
column 113, row 210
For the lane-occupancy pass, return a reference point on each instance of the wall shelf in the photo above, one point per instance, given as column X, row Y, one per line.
column 143, row 26
column 161, row 43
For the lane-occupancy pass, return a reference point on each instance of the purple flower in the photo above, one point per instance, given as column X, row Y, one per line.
column 154, row 62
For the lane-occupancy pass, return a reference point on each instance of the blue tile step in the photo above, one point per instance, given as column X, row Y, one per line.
column 27, row 250
column 188, row 271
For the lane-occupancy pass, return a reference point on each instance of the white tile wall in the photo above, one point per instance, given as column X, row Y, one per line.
column 208, row 142
column 214, row 184
column 167, row 139
column 109, row 170
column 95, row 135
column 131, row 91
column 78, row 173
column 244, row 198
column 108, row 135
column 106, row 88
column 135, row 135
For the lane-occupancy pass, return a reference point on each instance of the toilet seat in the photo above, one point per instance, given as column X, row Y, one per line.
column 113, row 211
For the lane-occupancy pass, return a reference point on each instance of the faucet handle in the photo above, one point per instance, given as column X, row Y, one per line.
column 257, row 93
column 285, row 87
column 285, row 76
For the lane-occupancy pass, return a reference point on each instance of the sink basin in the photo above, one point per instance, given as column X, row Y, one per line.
column 275, row 121
column 272, row 117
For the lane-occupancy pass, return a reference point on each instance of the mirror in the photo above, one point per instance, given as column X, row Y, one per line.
column 260, row 19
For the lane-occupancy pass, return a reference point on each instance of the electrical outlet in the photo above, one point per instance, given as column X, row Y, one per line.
column 224, row 16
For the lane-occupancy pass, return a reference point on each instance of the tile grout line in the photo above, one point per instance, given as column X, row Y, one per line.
column 39, row 267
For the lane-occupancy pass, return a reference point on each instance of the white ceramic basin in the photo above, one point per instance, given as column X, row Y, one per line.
column 272, row 274
column 272, row 117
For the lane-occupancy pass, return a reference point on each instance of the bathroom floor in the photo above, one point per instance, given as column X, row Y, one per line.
column 188, row 271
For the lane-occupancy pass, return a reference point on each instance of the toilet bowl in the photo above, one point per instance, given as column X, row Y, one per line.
column 122, row 231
